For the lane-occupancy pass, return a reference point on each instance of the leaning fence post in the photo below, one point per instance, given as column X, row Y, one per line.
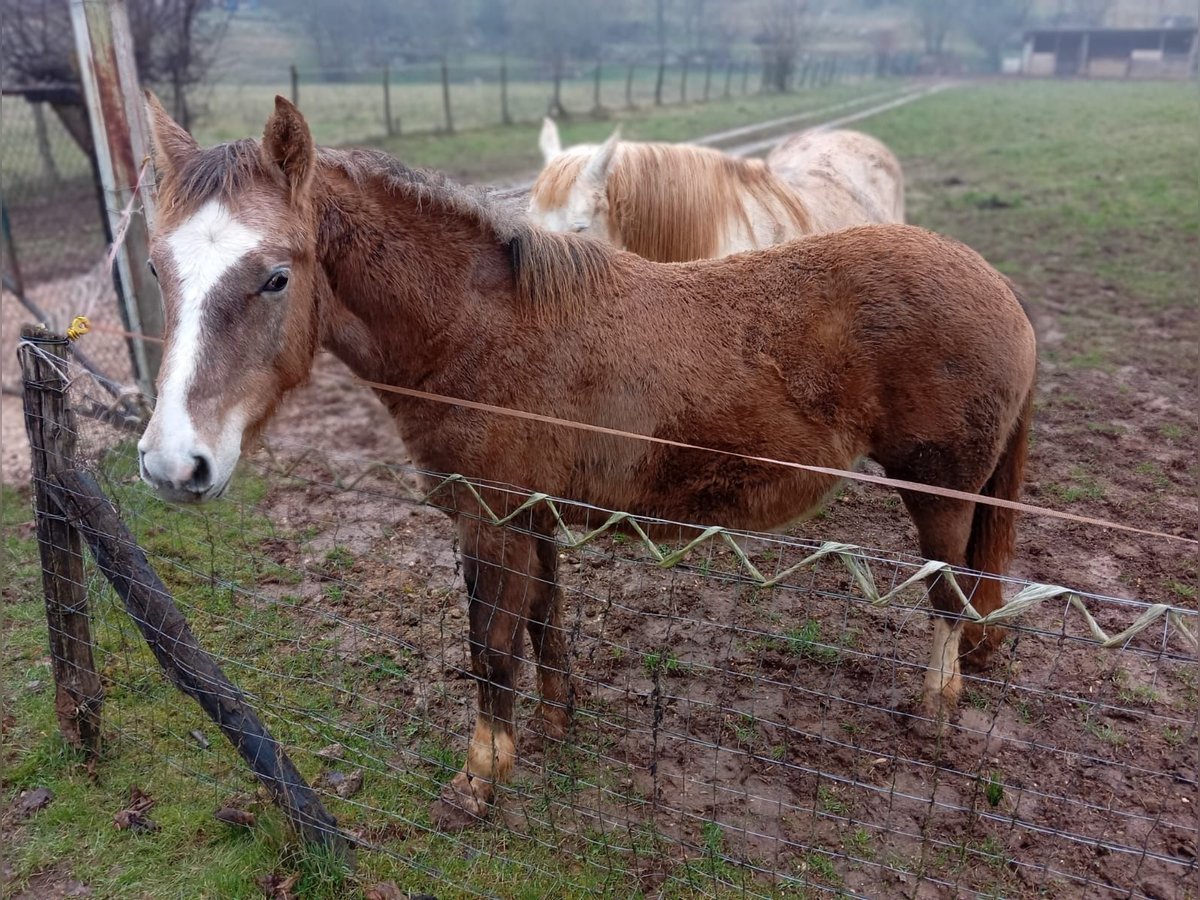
column 185, row 662
column 50, row 424
column 295, row 74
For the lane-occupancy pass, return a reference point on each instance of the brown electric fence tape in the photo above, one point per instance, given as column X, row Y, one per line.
column 821, row 470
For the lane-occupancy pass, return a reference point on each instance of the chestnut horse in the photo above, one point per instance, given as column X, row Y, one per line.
column 678, row 202
column 888, row 342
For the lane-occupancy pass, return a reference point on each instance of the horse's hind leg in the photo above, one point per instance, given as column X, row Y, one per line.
column 944, row 527
column 549, row 644
column 497, row 565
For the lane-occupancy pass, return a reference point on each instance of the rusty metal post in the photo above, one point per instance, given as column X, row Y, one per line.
column 117, row 110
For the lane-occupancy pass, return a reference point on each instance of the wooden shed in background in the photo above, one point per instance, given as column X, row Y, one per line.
column 1168, row 52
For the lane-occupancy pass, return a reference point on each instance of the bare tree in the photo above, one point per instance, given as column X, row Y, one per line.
column 936, row 19
column 558, row 32
column 660, row 31
column 780, row 39
column 993, row 23
column 173, row 43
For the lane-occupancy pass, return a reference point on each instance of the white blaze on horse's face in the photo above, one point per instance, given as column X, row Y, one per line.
column 182, row 459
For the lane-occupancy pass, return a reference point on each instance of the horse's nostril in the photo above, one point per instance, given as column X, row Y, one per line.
column 201, row 478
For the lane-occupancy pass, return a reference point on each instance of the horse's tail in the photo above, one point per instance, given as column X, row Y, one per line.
column 993, row 537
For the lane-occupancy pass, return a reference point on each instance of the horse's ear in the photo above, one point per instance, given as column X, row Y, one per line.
column 548, row 141
column 288, row 145
column 172, row 143
column 596, row 170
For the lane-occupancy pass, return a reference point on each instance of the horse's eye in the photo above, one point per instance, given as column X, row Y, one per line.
column 150, row 266
column 275, row 283
column 579, row 227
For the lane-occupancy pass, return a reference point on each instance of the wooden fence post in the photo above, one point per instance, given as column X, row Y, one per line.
column 392, row 130
column 50, row 425
column 295, row 75
column 683, row 80
column 728, row 78
column 505, row 114
column 116, row 110
column 186, row 663
column 446, row 97
column 629, row 87
column 597, row 106
column 707, row 79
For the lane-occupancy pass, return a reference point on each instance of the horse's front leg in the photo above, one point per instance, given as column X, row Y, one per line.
column 549, row 642
column 497, row 588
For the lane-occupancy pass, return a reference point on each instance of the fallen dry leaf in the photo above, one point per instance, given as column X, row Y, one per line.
column 30, row 802
column 279, row 887
column 332, row 752
column 234, row 816
column 134, row 816
column 385, row 890
column 345, row 786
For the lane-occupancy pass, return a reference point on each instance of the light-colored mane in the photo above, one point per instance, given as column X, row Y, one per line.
column 674, row 203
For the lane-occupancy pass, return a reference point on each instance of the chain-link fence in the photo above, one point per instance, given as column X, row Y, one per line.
column 743, row 719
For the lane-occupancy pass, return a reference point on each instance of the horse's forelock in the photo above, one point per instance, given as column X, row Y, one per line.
column 221, row 172
column 553, row 186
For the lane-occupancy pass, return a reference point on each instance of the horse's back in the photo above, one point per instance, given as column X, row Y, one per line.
column 847, row 178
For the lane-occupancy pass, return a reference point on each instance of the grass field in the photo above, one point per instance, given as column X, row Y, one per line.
column 1088, row 195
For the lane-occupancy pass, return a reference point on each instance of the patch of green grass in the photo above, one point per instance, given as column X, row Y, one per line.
column 806, row 642
column 818, row 866
column 663, row 662
column 339, row 559
column 1153, row 473
column 1082, row 486
column 830, row 802
column 860, row 843
column 993, row 788
column 1172, row 735
column 1102, row 731
column 1187, row 591
column 1173, row 432
column 1127, row 206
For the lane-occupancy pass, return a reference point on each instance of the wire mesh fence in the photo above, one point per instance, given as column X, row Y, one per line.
column 744, row 704
column 53, row 210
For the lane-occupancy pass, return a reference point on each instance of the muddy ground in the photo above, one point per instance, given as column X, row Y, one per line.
column 1068, row 771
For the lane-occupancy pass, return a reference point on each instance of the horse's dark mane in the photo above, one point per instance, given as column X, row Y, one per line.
column 552, row 272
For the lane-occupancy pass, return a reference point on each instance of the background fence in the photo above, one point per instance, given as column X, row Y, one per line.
column 739, row 725
column 354, row 104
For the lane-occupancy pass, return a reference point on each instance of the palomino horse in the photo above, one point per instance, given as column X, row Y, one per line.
column 676, row 202
column 888, row 342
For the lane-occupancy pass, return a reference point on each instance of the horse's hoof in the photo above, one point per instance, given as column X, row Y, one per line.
column 458, row 807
